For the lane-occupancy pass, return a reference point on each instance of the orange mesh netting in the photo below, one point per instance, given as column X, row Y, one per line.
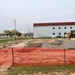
column 37, row 57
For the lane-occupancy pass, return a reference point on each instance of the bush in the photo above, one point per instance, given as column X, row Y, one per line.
column 58, row 37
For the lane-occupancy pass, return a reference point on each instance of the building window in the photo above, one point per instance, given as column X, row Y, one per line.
column 70, row 27
column 59, row 27
column 64, row 27
column 65, row 33
column 53, row 28
column 53, row 33
column 59, row 33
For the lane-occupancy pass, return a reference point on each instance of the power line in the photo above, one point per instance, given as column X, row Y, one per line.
column 5, row 16
column 10, row 18
column 17, row 21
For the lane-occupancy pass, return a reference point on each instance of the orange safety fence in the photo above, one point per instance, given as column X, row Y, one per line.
column 70, row 57
column 36, row 57
column 6, row 57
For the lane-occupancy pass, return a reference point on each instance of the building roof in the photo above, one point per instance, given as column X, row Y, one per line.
column 54, row 24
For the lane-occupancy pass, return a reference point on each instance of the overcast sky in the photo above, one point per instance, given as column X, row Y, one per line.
column 27, row 12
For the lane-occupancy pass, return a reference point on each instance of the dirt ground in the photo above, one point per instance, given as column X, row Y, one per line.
column 52, row 73
column 4, row 70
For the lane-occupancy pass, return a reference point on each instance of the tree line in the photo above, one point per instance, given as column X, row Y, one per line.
column 12, row 33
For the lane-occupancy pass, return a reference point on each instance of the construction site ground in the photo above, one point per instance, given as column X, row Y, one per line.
column 45, row 44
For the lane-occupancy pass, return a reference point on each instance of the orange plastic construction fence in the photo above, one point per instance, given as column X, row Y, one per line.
column 36, row 57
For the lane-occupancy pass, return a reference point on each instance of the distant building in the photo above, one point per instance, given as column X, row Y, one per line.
column 52, row 29
column 28, row 34
column 3, row 35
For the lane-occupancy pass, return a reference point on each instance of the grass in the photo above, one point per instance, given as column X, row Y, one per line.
column 33, row 69
column 4, row 41
column 11, row 39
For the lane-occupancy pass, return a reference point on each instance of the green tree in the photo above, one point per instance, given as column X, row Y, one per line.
column 7, row 32
column 12, row 33
column 17, row 33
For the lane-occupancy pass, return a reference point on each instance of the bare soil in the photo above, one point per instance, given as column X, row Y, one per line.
column 5, row 71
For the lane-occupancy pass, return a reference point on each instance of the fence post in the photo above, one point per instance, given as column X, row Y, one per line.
column 12, row 57
column 64, row 57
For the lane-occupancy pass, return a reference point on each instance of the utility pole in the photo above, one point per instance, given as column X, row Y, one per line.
column 30, row 31
column 15, row 27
